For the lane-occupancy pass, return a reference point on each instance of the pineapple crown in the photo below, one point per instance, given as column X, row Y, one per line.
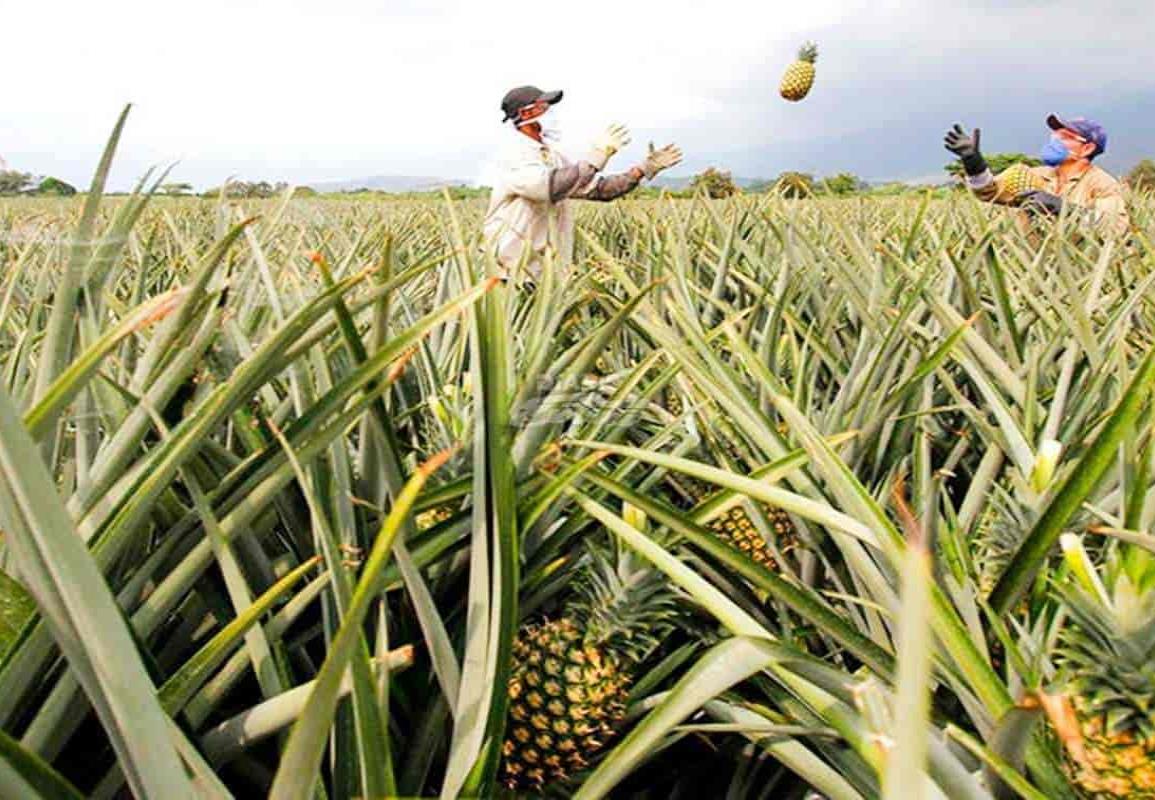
column 1000, row 532
column 808, row 53
column 1108, row 652
column 622, row 604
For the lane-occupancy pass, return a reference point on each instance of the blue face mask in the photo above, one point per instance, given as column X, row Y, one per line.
column 1054, row 153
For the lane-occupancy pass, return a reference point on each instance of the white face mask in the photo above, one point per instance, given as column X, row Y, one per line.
column 550, row 127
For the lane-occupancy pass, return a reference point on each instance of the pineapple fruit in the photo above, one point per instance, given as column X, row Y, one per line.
column 433, row 516
column 568, row 687
column 734, row 526
column 1108, row 659
column 1018, row 178
column 799, row 76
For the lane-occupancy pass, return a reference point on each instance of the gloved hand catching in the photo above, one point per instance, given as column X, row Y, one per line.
column 616, row 137
column 966, row 148
column 1037, row 201
column 658, row 160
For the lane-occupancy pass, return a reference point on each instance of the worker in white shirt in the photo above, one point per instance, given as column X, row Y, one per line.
column 529, row 208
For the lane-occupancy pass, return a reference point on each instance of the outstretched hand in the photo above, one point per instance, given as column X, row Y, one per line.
column 616, row 137
column 662, row 159
column 966, row 147
column 961, row 144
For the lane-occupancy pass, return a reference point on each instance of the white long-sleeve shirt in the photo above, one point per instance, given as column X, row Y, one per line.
column 530, row 204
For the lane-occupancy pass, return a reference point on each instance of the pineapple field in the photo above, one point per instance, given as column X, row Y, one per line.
column 760, row 497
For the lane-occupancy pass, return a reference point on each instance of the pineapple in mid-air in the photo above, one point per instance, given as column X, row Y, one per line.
column 1108, row 658
column 1018, row 178
column 568, row 687
column 799, row 77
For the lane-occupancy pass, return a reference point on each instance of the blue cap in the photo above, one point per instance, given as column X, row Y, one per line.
column 1090, row 130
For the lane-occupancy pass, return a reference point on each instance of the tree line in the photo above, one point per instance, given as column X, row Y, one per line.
column 713, row 182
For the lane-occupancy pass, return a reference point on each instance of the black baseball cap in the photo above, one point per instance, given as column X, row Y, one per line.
column 515, row 99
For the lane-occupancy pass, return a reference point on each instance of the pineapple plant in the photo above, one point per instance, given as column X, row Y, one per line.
column 1107, row 655
column 799, row 76
column 1018, row 178
column 568, row 687
column 998, row 535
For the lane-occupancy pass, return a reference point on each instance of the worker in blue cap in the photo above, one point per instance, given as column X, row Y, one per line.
column 1068, row 177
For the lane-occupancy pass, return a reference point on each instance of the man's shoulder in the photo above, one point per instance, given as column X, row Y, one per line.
column 520, row 149
column 1102, row 176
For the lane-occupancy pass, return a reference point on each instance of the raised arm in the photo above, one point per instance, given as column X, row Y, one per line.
column 582, row 181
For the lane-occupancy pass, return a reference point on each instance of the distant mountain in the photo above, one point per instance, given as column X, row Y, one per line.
column 388, row 183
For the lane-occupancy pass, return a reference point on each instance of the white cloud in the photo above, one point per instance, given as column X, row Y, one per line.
column 345, row 88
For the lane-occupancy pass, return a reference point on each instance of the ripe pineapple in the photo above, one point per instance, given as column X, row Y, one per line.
column 570, row 676
column 734, row 526
column 1018, row 178
column 1108, row 657
column 799, row 76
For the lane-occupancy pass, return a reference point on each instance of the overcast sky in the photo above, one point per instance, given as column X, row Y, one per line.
column 313, row 91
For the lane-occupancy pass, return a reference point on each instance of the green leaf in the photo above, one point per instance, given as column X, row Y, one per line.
column 82, row 615
column 724, row 665
column 1020, row 572
column 301, row 760
column 179, row 688
column 24, row 775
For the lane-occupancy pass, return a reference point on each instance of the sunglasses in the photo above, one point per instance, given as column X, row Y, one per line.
column 1069, row 135
column 532, row 111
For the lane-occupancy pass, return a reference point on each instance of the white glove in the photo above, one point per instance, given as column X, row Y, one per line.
column 616, row 137
column 658, row 160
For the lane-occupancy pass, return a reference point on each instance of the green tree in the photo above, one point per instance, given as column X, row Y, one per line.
column 176, row 189
column 55, row 186
column 1142, row 175
column 794, row 184
column 13, row 182
column 715, row 183
column 843, row 183
column 997, row 162
column 246, row 190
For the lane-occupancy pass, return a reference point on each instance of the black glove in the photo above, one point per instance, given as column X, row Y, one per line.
column 967, row 149
column 1037, row 201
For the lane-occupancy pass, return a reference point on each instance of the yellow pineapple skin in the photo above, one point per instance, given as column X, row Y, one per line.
column 735, row 527
column 566, row 700
column 798, row 81
column 799, row 77
column 433, row 516
column 1117, row 765
column 1019, row 178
